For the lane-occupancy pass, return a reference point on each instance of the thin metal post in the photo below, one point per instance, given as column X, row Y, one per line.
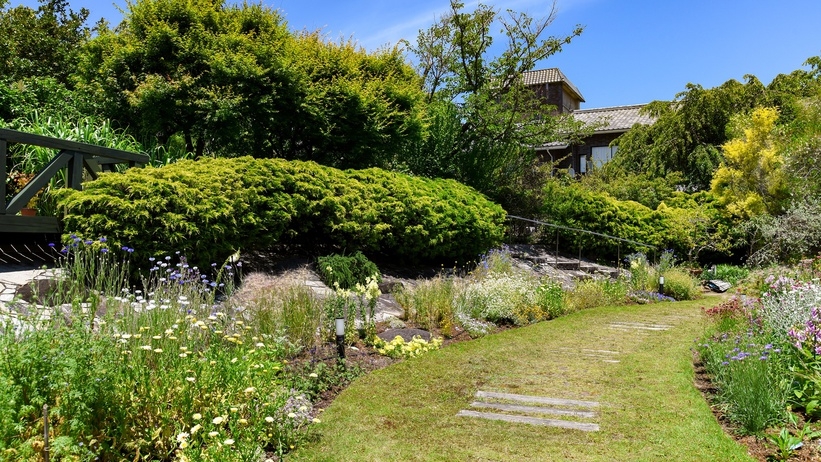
column 3, row 174
column 557, row 249
column 45, row 433
column 580, row 254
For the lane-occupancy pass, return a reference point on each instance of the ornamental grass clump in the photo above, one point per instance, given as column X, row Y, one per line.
column 679, row 285
column 430, row 304
column 751, row 376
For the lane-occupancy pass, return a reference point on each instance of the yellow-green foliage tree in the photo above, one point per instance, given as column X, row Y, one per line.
column 751, row 180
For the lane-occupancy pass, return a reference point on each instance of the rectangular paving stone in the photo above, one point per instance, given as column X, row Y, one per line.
column 583, row 426
column 619, row 325
column 536, row 399
column 532, row 409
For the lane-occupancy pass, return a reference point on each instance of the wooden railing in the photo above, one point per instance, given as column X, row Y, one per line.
column 71, row 155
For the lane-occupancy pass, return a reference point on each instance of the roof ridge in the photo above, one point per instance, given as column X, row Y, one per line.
column 610, row 108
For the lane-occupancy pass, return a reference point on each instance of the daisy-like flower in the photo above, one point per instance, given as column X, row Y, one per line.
column 218, row 420
column 228, row 442
column 250, row 390
column 269, row 419
column 182, row 437
column 197, row 416
column 213, row 434
column 292, row 415
column 195, row 428
column 146, row 347
column 243, row 421
column 157, row 350
column 315, row 420
column 313, row 375
column 191, row 379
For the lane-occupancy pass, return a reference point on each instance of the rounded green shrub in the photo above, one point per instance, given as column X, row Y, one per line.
column 210, row 208
column 346, row 272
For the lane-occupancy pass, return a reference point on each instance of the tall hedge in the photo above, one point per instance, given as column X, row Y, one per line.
column 210, row 208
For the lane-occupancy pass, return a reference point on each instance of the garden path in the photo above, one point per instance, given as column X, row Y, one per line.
column 600, row 384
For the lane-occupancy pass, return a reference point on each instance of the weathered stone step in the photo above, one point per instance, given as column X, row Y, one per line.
column 535, row 399
column 532, row 409
column 583, row 426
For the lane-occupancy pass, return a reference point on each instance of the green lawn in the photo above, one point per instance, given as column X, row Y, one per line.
column 649, row 407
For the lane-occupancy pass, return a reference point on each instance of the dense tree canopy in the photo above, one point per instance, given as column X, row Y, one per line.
column 751, row 180
column 234, row 80
column 484, row 120
column 690, row 130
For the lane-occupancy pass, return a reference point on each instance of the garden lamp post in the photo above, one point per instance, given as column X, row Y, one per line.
column 661, row 285
column 340, row 337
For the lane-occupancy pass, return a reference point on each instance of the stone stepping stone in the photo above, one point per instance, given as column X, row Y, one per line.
column 639, row 326
column 518, row 413
column 606, row 356
column 583, row 426
column 532, row 409
column 536, row 399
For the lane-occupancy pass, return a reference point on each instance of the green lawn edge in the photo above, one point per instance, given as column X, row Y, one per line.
column 650, row 409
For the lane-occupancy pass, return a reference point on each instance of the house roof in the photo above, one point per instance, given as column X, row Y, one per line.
column 614, row 119
column 552, row 75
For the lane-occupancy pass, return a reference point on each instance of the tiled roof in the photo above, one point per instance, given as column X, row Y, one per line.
column 552, row 75
column 616, row 118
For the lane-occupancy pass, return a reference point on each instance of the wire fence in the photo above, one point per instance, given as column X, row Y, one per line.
column 558, row 228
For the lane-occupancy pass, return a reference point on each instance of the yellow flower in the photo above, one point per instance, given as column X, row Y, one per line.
column 315, row 420
column 157, row 350
column 250, row 390
column 242, row 421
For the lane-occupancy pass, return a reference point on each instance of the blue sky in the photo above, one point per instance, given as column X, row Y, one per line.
column 630, row 52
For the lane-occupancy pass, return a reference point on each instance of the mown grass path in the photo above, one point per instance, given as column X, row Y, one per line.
column 636, row 361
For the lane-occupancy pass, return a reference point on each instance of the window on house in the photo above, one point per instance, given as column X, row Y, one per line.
column 583, row 163
column 602, row 154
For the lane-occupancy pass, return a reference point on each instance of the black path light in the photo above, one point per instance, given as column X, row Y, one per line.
column 661, row 285
column 340, row 337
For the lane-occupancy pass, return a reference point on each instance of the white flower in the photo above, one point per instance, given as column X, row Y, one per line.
column 228, row 442
column 213, row 434
column 313, row 375
column 182, row 437
column 195, row 428
column 250, row 390
column 292, row 415
column 218, row 420
column 191, row 379
column 269, row 419
column 197, row 416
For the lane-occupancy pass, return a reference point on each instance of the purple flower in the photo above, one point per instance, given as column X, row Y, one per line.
column 103, row 239
column 51, row 244
column 103, row 250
